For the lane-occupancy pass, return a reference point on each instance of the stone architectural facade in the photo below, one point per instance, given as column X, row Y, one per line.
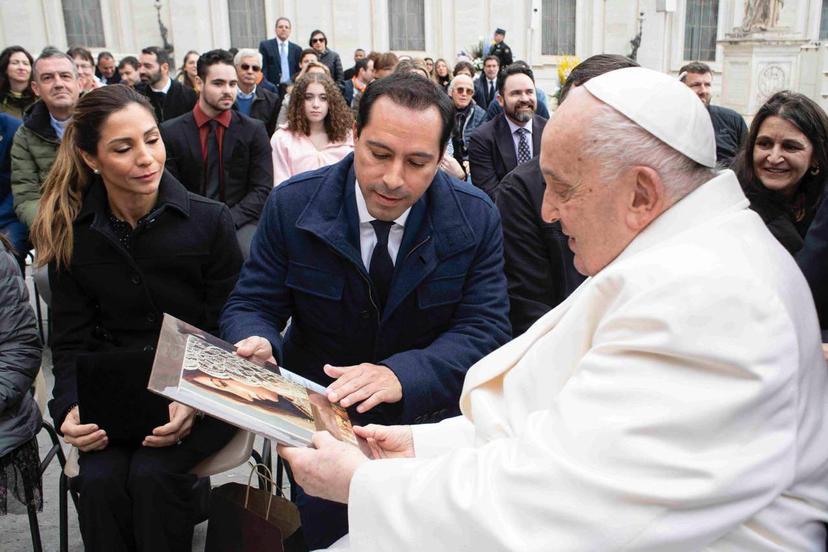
column 748, row 66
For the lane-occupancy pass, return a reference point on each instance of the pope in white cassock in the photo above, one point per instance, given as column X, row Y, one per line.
column 676, row 401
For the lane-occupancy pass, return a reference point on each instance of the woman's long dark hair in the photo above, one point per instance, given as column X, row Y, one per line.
column 70, row 176
column 5, row 59
column 810, row 119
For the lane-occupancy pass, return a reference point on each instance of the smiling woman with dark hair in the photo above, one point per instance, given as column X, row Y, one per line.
column 784, row 163
column 125, row 243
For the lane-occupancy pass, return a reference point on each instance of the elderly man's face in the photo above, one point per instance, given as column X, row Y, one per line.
column 591, row 208
column 462, row 91
column 248, row 71
column 396, row 157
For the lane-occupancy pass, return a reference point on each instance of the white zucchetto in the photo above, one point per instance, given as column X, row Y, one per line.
column 661, row 105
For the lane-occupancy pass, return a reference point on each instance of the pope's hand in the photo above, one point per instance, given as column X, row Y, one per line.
column 369, row 384
column 255, row 347
column 325, row 470
column 387, row 441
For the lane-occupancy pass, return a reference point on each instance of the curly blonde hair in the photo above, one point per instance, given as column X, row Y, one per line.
column 339, row 120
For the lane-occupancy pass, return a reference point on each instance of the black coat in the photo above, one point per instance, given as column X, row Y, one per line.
column 492, row 151
column 184, row 261
column 503, row 53
column 246, row 157
column 812, row 258
column 272, row 62
column 177, row 101
column 539, row 264
column 731, row 132
column 481, row 91
column 265, row 108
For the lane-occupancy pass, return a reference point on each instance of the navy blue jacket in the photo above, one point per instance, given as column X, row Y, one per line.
column 272, row 61
column 446, row 309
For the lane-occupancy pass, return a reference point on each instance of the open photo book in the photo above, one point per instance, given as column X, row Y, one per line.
column 197, row 369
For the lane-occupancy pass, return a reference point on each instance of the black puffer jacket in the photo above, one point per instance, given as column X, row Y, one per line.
column 20, row 352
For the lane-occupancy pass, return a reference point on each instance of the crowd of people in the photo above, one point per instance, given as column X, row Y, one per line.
column 387, row 230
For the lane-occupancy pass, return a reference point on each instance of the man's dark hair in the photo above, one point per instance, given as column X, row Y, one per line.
column 463, row 65
column 81, row 52
column 360, row 64
column 129, row 60
column 592, row 67
column 105, row 55
column 213, row 57
column 282, row 19
column 412, row 92
column 513, row 69
column 161, row 56
column 487, row 58
column 697, row 67
column 308, row 51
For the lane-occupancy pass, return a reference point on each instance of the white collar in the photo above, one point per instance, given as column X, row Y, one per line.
column 165, row 89
column 513, row 127
column 718, row 196
column 244, row 96
column 365, row 216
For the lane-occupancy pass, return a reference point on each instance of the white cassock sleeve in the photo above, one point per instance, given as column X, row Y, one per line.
column 436, row 439
column 677, row 425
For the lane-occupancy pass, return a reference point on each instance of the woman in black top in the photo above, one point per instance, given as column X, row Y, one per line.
column 783, row 165
column 125, row 242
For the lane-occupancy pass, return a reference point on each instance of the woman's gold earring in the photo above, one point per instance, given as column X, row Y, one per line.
column 814, row 170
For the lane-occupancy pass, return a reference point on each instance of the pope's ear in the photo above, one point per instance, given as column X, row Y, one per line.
column 647, row 198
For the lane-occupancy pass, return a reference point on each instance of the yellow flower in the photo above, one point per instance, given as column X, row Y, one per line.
column 565, row 67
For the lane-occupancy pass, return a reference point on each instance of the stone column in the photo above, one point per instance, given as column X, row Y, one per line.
column 757, row 64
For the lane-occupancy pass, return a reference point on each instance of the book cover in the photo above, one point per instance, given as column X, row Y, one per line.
column 204, row 372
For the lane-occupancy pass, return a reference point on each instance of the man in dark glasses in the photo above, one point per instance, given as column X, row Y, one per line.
column 319, row 42
column 253, row 99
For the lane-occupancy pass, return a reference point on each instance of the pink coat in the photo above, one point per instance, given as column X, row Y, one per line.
column 294, row 153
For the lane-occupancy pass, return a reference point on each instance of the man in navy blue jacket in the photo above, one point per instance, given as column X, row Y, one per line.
column 391, row 271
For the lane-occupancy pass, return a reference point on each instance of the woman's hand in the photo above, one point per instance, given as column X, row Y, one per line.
column 179, row 426
column 387, row 441
column 450, row 165
column 86, row 437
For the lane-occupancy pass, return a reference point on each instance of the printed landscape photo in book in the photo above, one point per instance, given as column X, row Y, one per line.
column 198, row 369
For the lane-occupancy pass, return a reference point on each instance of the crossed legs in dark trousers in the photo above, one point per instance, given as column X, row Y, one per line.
column 141, row 498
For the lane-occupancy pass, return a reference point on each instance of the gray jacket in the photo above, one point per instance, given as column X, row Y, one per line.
column 20, row 353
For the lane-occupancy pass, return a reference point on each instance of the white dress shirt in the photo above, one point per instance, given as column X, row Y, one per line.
column 513, row 128
column 367, row 236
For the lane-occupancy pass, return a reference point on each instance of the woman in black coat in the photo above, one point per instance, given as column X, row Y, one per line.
column 125, row 242
column 784, row 163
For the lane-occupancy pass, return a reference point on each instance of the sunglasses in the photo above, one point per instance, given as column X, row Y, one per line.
column 319, row 39
column 246, row 67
